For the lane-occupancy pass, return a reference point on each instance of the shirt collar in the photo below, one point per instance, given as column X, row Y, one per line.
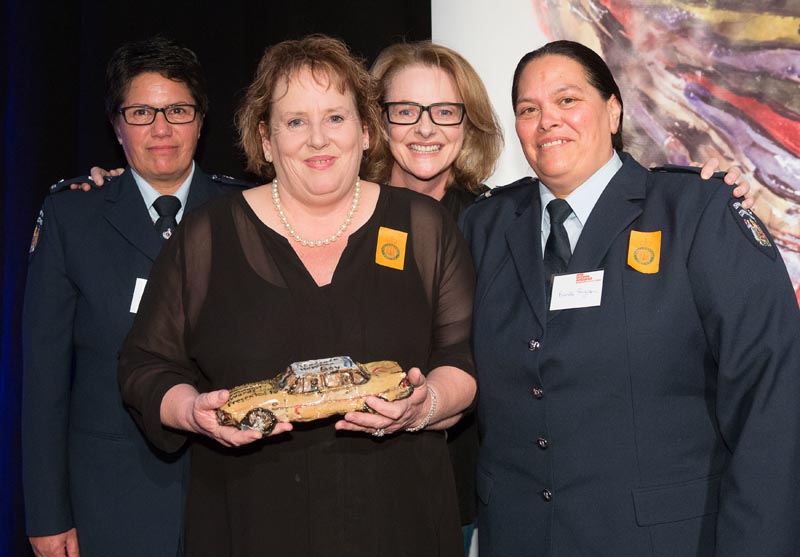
column 150, row 194
column 583, row 198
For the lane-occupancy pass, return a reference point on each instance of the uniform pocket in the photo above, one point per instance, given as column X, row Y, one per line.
column 675, row 502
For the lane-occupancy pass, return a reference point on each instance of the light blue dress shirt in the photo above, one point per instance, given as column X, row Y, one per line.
column 581, row 200
column 150, row 194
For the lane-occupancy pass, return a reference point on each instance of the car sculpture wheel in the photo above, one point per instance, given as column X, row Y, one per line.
column 312, row 390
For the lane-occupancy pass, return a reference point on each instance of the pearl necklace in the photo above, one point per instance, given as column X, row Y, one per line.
column 276, row 199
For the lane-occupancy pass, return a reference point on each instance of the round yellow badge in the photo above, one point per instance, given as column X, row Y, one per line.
column 390, row 251
column 644, row 255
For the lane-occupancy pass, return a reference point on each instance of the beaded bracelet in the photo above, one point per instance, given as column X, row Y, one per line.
column 424, row 423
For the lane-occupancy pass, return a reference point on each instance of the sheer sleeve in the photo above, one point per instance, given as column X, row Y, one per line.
column 447, row 272
column 155, row 357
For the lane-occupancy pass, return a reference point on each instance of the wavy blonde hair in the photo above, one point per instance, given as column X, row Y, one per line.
column 483, row 136
column 329, row 60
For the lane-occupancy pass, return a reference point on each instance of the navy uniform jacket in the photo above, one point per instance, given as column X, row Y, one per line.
column 664, row 422
column 85, row 464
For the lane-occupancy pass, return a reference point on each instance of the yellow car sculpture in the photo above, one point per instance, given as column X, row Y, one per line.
column 312, row 390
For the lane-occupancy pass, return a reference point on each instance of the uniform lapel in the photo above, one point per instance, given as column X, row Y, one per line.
column 126, row 212
column 524, row 242
column 618, row 206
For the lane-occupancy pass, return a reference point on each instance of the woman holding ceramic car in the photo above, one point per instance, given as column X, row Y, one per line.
column 299, row 269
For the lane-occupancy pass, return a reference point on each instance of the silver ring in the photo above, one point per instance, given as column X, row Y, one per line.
column 379, row 432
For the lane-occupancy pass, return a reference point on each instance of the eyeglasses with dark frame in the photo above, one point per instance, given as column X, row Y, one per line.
column 144, row 115
column 407, row 113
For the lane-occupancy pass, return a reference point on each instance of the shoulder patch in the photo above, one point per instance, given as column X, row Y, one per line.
column 491, row 192
column 753, row 229
column 231, row 181
column 677, row 168
column 36, row 230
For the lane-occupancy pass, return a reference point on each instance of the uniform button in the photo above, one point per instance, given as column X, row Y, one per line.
column 547, row 495
column 542, row 442
column 537, row 392
column 533, row 345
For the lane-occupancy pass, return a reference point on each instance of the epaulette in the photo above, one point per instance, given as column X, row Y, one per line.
column 231, row 181
column 497, row 190
column 63, row 185
column 677, row 168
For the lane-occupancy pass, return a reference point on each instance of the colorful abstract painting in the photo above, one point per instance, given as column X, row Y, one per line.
column 704, row 78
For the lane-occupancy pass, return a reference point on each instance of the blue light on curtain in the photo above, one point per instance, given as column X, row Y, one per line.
column 19, row 206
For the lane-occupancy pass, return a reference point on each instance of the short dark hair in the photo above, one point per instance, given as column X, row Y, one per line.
column 159, row 55
column 597, row 72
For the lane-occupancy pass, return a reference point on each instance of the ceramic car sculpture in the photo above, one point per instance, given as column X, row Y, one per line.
column 312, row 390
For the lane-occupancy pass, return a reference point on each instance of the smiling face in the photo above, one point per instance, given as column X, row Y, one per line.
column 423, row 152
column 315, row 138
column 563, row 123
column 161, row 152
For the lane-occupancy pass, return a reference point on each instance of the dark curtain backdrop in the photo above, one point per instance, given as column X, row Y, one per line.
column 54, row 56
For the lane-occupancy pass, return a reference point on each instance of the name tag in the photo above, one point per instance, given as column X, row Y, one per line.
column 138, row 290
column 579, row 290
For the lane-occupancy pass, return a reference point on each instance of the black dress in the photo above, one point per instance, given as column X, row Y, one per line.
column 229, row 302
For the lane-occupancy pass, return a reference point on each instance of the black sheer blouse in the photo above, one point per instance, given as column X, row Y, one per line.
column 229, row 302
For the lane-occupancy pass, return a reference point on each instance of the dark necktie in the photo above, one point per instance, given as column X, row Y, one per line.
column 556, row 251
column 167, row 206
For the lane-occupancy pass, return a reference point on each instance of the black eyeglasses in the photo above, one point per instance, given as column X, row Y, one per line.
column 143, row 115
column 442, row 114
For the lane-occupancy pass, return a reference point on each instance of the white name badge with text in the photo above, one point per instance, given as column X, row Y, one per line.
column 578, row 290
column 138, row 290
